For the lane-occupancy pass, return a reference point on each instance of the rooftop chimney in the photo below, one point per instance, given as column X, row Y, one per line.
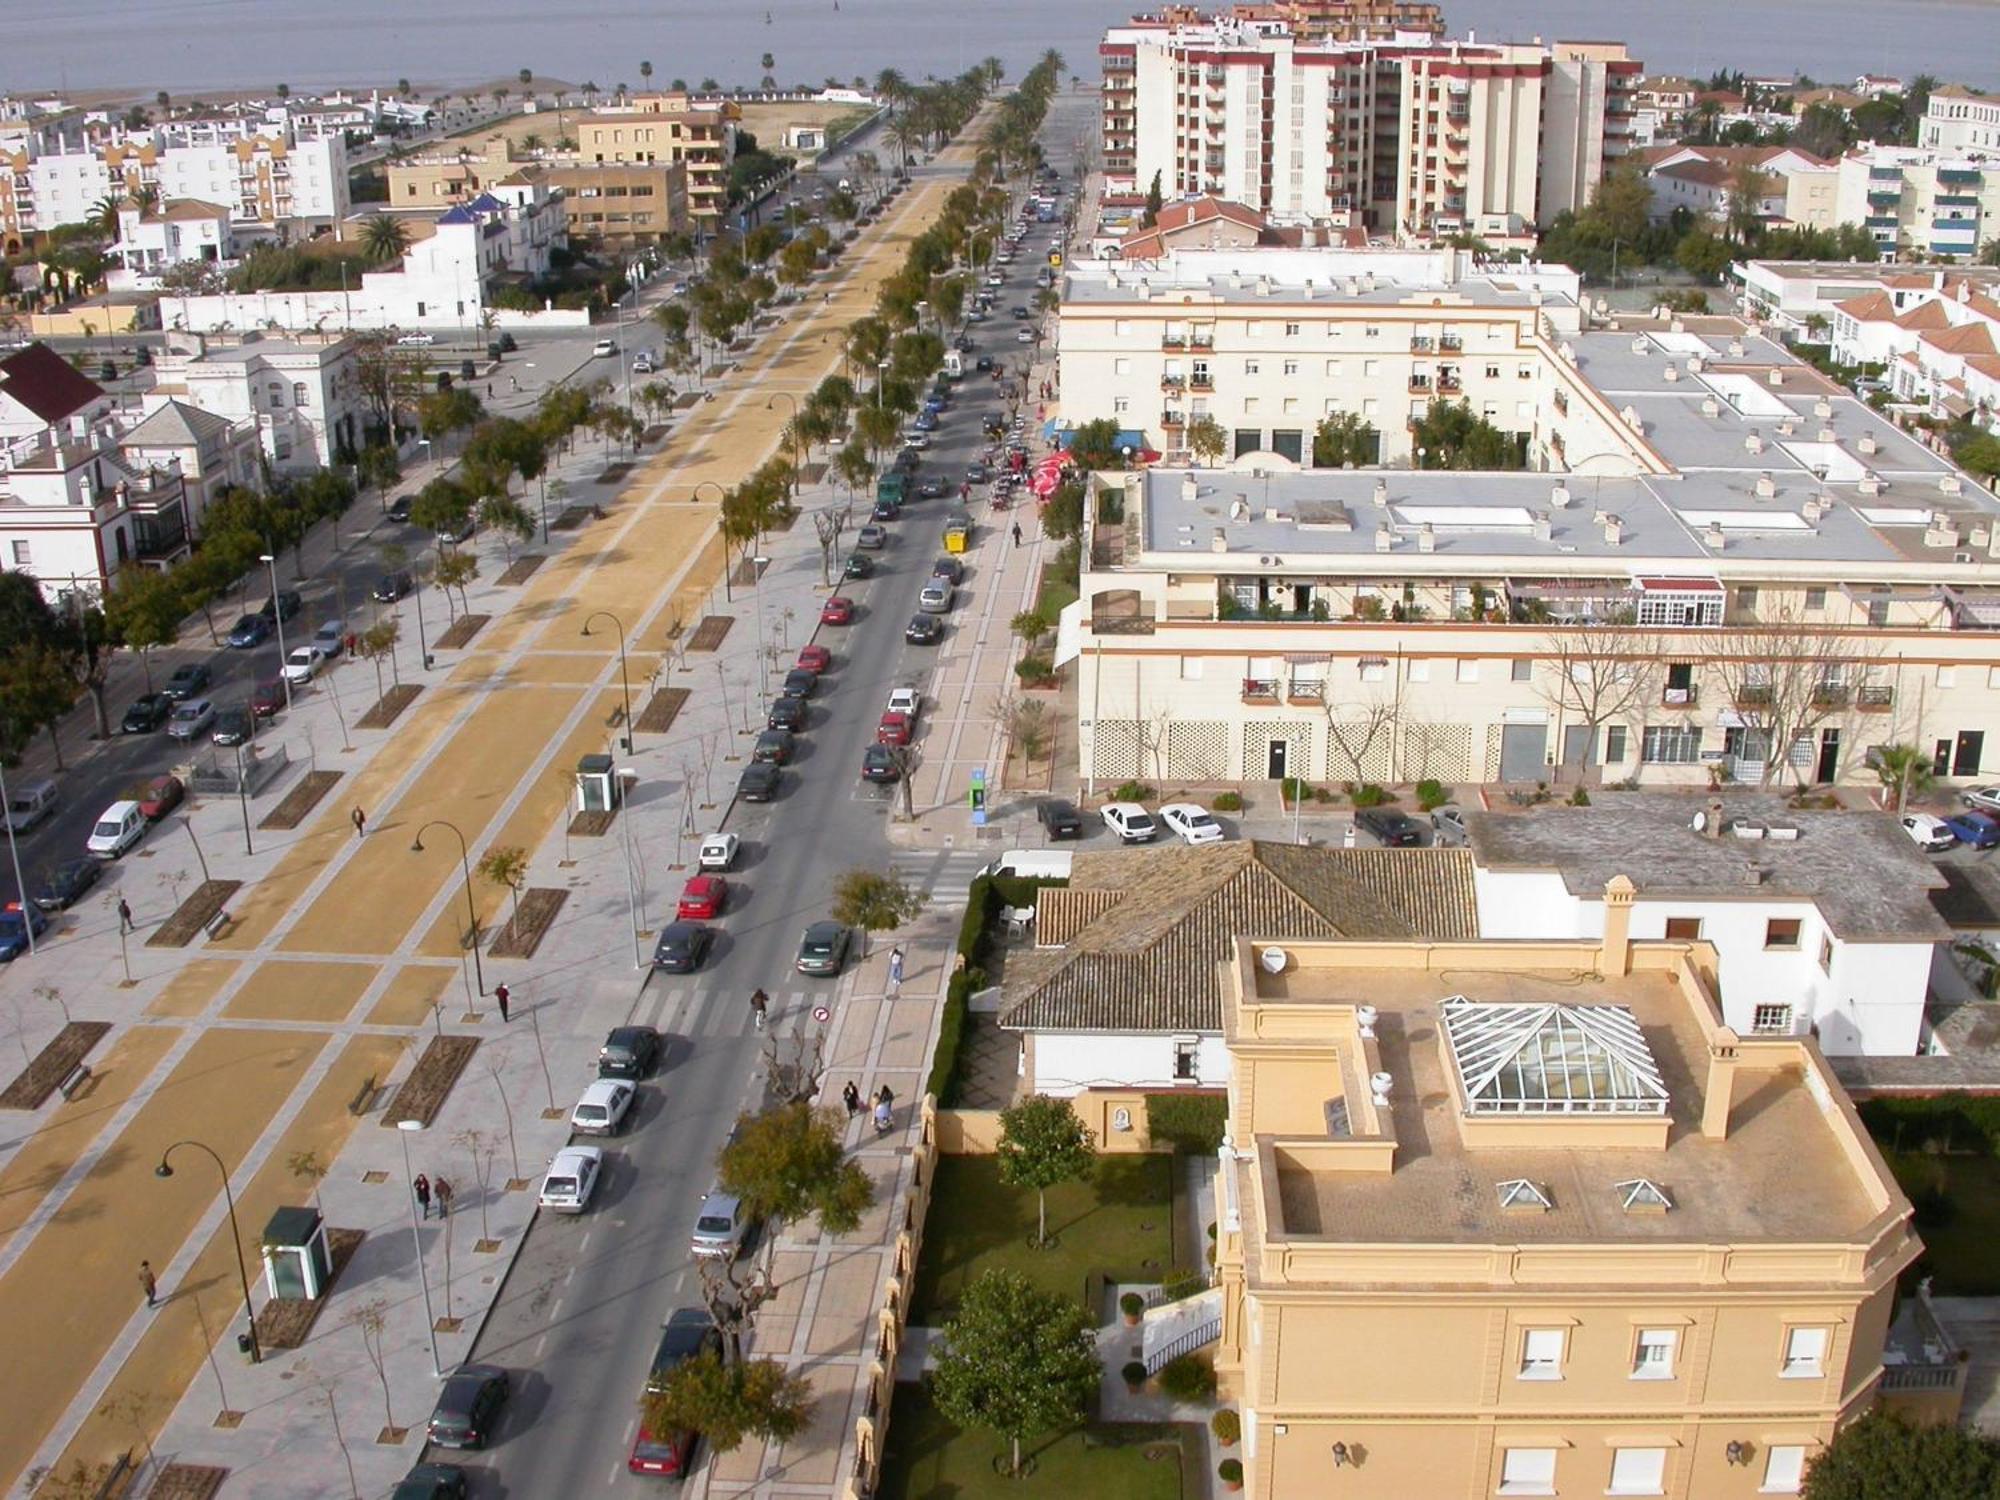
column 1385, row 539
column 1712, row 825
column 1382, row 492
column 1427, row 538
column 1767, row 487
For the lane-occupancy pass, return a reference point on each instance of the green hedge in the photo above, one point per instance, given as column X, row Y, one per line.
column 1190, row 1123
column 984, row 902
column 1957, row 1122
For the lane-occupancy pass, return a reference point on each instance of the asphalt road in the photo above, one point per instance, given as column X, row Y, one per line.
column 579, row 1319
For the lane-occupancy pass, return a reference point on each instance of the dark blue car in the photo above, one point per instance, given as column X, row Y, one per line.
column 1981, row 830
column 14, row 931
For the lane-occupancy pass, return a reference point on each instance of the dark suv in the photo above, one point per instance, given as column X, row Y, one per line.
column 1396, row 830
column 629, row 1052
column 468, row 1408
column 1059, row 819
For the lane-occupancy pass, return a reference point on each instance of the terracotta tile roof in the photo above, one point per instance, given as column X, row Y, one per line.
column 1149, row 960
column 1926, row 315
column 1875, row 307
column 1986, row 364
column 1061, row 912
column 45, row 383
column 1967, row 338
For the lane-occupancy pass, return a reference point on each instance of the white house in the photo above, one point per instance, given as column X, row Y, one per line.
column 154, row 240
column 41, row 391
column 1823, row 921
column 210, row 452
column 303, row 396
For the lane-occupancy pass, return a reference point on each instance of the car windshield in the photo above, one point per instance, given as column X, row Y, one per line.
column 560, row 1187
column 189, row 711
column 616, row 1052
column 1200, row 820
column 711, row 1224
column 818, row 947
column 651, row 1448
column 108, row 828
column 591, row 1111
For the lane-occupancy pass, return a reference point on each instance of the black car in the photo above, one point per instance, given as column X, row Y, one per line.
column 774, row 747
column 63, row 885
column 931, row 489
column 983, row 363
column 950, row 567
column 682, row 947
column 1021, row 314
column 975, row 474
column 787, row 713
column 1059, row 819
column 1397, row 830
column 859, row 565
column 468, row 1408
column 393, row 586
column 399, row 508
column 963, row 344
column 800, row 682
column 233, row 726
column 629, row 1052
column 432, row 1482
column 146, row 714
column 283, row 607
column 249, row 632
column 823, row 949
column 187, row 681
column 924, row 630
column 759, row 782
column 878, row 763
column 885, row 510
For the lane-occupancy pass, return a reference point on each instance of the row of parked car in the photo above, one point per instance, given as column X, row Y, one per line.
column 1977, row 825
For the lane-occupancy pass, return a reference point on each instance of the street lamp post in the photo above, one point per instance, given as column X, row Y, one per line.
column 721, row 495
column 624, row 676
column 243, row 798
column 403, row 1131
column 235, row 1234
column 423, row 646
column 465, row 867
column 270, row 561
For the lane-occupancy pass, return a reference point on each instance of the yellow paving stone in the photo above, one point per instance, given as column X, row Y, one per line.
column 846, row 1309
column 285, row 991
column 409, row 996
column 813, row 1457
column 193, row 986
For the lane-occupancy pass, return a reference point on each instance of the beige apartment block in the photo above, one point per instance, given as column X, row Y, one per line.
column 668, row 128
column 626, row 203
column 1527, row 1219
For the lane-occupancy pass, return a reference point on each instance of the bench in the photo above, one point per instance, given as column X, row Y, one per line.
column 74, row 1079
column 364, row 1097
column 217, row 924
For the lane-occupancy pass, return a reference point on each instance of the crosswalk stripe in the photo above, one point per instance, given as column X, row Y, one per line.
column 945, row 876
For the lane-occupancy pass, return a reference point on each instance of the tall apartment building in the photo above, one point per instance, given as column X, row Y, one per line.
column 1958, row 119
column 1412, row 136
column 1915, row 199
column 619, row 203
column 1484, row 1232
column 669, row 128
column 1718, row 531
column 268, row 179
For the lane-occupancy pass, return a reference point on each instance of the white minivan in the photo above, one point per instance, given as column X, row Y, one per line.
column 118, row 828
column 28, row 806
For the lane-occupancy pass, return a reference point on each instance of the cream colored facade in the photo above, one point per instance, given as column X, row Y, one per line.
column 666, row 128
column 1913, row 199
column 1484, row 1231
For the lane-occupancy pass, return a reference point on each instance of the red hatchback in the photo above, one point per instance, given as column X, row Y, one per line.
column 160, row 796
column 815, row 658
column 703, row 897
column 895, row 729
column 839, row 610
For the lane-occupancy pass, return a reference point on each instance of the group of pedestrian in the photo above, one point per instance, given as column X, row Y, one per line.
column 428, row 1191
column 884, row 1105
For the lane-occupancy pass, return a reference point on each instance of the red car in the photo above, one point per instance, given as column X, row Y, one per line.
column 895, row 729
column 703, row 897
column 839, row 610
column 815, row 658
column 160, row 796
column 269, row 699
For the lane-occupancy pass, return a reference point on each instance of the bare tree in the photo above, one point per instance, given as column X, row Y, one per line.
column 1593, row 673
column 1786, row 678
column 1353, row 728
column 50, row 995
column 733, row 1291
column 480, row 1146
column 794, row 1066
column 371, row 1321
column 307, row 1164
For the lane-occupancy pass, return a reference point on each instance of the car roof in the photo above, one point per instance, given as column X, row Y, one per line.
column 682, row 1335
column 119, row 809
column 575, row 1157
column 679, row 932
column 702, row 882
column 1127, row 808
column 626, row 1036
column 719, row 1202
column 823, row 930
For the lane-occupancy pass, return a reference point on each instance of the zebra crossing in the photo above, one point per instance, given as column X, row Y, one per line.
column 944, row 876
column 692, row 1010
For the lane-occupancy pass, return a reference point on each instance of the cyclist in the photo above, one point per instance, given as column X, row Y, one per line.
column 759, row 1003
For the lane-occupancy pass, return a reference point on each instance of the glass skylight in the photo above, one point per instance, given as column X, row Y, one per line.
column 1552, row 1059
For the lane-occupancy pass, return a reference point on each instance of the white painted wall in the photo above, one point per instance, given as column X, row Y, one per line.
column 1069, row 1062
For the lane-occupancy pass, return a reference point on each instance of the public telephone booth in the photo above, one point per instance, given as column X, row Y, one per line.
column 596, row 784
column 297, row 1262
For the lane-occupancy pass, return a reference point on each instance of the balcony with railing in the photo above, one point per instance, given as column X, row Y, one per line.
column 1260, row 689
column 1422, row 343
column 1173, row 382
column 1201, row 339
column 1449, row 383
column 1832, row 695
column 1305, row 690
column 1451, row 343
column 1201, row 381
column 1173, row 341
column 1874, row 698
column 1172, row 418
column 1420, row 385
column 1680, row 697
column 1753, row 695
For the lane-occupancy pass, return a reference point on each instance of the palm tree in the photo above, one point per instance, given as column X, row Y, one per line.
column 104, row 214
column 384, row 237
column 891, row 87
column 768, row 62
column 645, row 72
column 527, row 77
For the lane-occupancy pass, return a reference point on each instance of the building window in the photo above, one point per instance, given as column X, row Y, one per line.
column 1946, row 676
column 1683, row 929
column 1542, row 1353
column 1249, row 406
column 1333, row 369
column 1190, row 668
column 1122, row 328
column 1815, row 598
column 1468, row 669
column 1374, row 669
column 21, row 557
column 1250, row 367
column 1746, row 600
column 1291, row 330
column 1614, row 744
column 1784, row 1469
column 1420, row 670
column 1120, row 405
column 1370, row 369
column 1291, row 366
column 1124, row 367
column 1826, row 953
column 1254, row 329
column 1521, row 669
column 1638, row 1471
column 1371, row 332
column 1782, row 932
column 275, row 390
column 1528, row 1471
column 1670, row 745
column 1185, row 1050
column 1805, row 1353
column 1654, row 1357
column 1772, row 1020
column 1492, row 372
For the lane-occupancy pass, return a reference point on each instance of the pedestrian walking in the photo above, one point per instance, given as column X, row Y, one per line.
column 851, row 1097
column 360, row 822
column 885, row 1117
column 1017, row 533
column 422, row 1186
column 443, row 1191
column 500, row 997
column 759, row 1004
column 517, row 381
column 151, row 1286
column 125, row 922
column 896, row 970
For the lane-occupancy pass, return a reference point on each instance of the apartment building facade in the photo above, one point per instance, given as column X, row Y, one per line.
column 1482, row 1232
column 1913, row 199
column 1414, row 136
column 1937, row 334
column 669, row 128
column 302, row 397
column 618, row 203
column 1728, row 569
column 1958, row 119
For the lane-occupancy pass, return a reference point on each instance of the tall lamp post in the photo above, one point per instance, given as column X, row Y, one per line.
column 624, row 676
column 403, row 1131
column 721, row 495
column 465, row 866
column 164, row 1169
column 270, row 560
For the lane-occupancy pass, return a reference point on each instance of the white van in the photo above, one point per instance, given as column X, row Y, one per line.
column 28, row 806
column 118, row 828
column 1032, row 864
column 954, row 365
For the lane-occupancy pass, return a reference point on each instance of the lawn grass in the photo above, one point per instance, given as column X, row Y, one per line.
column 1120, row 1224
column 1056, row 593
column 1958, row 1218
column 927, row 1458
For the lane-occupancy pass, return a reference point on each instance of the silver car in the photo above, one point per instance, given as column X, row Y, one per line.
column 1448, row 827
column 191, row 717
column 718, row 1228
column 937, row 597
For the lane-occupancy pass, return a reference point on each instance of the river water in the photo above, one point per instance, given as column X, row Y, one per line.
column 187, row 45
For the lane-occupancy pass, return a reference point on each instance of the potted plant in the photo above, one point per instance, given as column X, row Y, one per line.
column 1134, row 1373
column 1226, row 1426
column 1230, row 1472
column 1133, row 1306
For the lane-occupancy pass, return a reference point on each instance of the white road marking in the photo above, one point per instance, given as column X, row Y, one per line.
column 582, row 1245
column 541, row 1344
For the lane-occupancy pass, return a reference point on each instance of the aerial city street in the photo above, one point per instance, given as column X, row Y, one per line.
column 1251, row 762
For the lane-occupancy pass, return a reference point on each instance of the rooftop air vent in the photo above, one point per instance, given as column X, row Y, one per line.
column 1273, row 960
column 1866, row 443
column 1640, row 1195
column 1776, row 378
column 1518, row 1195
column 1767, row 485
column 1559, row 496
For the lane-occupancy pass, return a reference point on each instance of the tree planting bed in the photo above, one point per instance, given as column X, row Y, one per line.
column 709, row 633
column 522, row 933
column 592, row 825
column 461, row 631
column 657, row 717
column 33, row 1085
column 391, row 703
column 616, row 473
column 300, row 800
column 193, row 914
column 423, row 1093
column 284, row 1322
column 574, row 516
column 522, row 568
column 187, row 1482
